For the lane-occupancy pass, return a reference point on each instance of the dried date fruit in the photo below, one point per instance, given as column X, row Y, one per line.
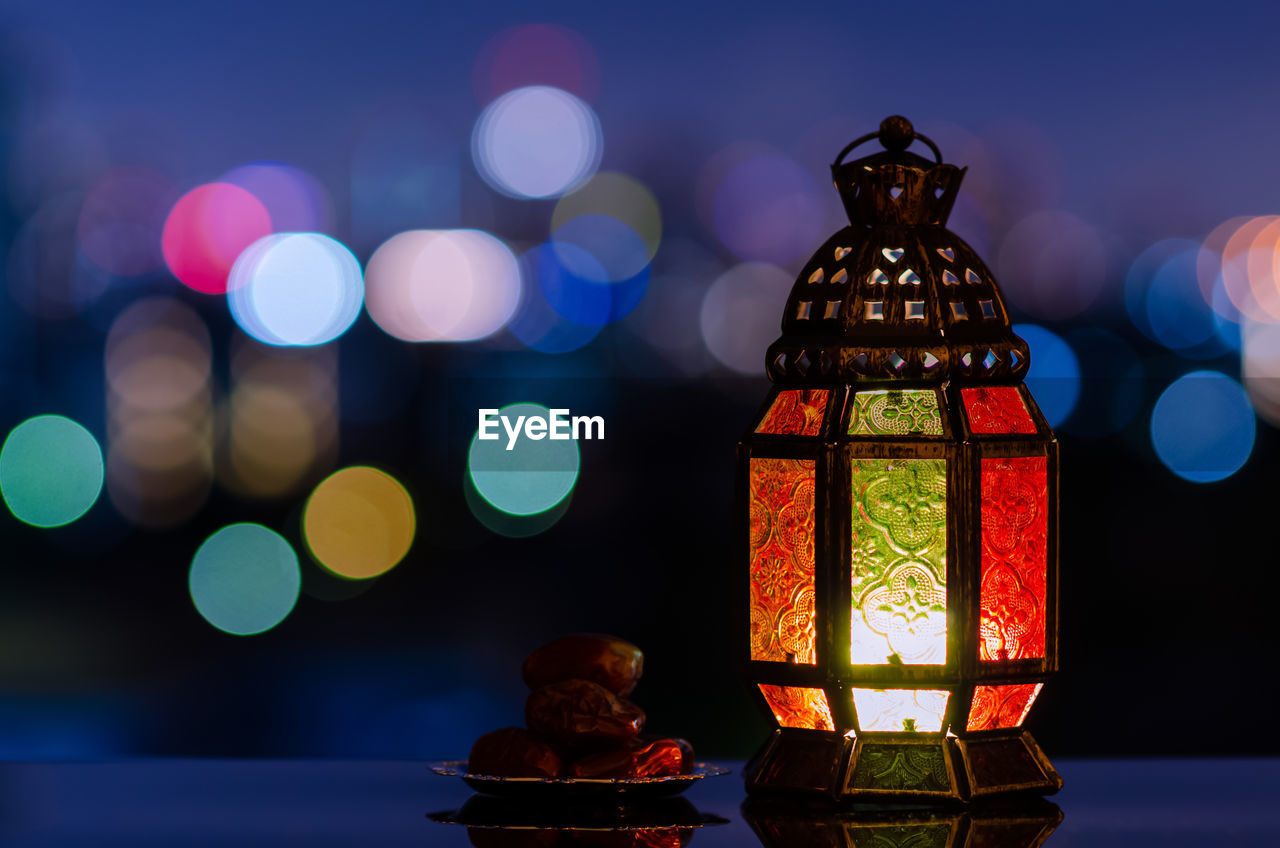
column 579, row 711
column 614, row 664
column 687, row 761
column 514, row 752
column 658, row 758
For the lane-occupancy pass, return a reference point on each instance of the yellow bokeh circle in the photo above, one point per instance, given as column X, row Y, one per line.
column 359, row 522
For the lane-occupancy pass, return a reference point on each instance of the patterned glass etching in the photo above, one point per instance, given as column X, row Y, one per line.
column 1015, row 506
column 899, row 561
column 795, row 412
column 997, row 409
column 895, row 413
column 906, row 767
column 900, row 710
column 997, row 707
column 799, row 706
column 781, row 527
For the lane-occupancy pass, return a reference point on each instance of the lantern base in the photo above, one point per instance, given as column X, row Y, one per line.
column 901, row 767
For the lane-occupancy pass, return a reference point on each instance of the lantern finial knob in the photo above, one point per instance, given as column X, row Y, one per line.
column 896, row 133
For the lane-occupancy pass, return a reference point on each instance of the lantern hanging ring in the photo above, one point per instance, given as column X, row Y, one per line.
column 896, row 133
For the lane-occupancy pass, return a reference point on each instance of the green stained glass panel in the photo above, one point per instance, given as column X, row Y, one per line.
column 898, row 412
column 899, row 561
column 914, row 768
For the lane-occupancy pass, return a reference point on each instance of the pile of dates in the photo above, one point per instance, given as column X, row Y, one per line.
column 578, row 721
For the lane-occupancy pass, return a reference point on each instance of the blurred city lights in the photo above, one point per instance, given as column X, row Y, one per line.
column 739, row 314
column 1111, row 382
column 1177, row 314
column 406, row 173
column 296, row 289
column 50, row 471
column 536, row 141
column 536, row 54
column 1209, row 267
column 359, row 522
column 669, row 317
column 207, row 229
column 1260, row 364
column 1051, row 265
column 122, row 218
column 282, row 420
column 160, row 412
column 509, row 524
column 46, row 274
column 538, row 324
column 1142, row 270
column 533, row 476
column 1054, row 375
column 1247, row 269
column 245, row 579
column 295, row 200
column 765, row 207
column 580, row 287
column 442, row 285
column 622, row 198
column 1203, row 427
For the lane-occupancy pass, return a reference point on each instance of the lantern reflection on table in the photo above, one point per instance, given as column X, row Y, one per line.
column 899, row 496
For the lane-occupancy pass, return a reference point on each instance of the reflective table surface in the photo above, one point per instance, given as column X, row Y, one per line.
column 325, row 802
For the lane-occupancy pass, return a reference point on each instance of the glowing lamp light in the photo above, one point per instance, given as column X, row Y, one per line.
column 898, row 500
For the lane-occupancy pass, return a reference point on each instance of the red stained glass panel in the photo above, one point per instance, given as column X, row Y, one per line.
column 799, row 706
column 795, row 412
column 1015, row 534
column 997, row 409
column 781, row 526
column 997, row 707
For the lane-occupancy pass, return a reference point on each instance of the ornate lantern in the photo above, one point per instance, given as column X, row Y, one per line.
column 899, row 491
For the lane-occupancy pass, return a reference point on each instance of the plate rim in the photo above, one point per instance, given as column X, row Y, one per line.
column 458, row 768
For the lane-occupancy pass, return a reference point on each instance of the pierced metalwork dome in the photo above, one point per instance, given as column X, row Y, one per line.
column 896, row 296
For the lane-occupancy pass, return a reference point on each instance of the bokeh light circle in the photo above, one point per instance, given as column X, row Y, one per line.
column 537, row 141
column 245, row 579
column 1052, row 265
column 1054, row 375
column 207, row 229
column 442, row 285
column 295, row 200
column 359, row 522
column 538, row 323
column 296, row 289
column 122, row 219
column 533, row 476
column 767, row 209
column 536, row 54
column 739, row 315
column 620, row 197
column 1203, row 427
column 1176, row 312
column 1260, row 364
column 51, row 471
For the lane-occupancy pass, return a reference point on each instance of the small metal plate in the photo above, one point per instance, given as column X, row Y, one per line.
column 578, row 788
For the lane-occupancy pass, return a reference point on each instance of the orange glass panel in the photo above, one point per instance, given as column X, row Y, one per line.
column 799, row 706
column 795, row 412
column 782, row 597
column 1015, row 534
column 900, row 710
column 997, row 409
column 996, row 707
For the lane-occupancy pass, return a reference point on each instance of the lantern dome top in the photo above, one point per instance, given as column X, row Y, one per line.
column 896, row 296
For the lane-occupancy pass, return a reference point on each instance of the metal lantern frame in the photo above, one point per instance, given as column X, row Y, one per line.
column 845, row 334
